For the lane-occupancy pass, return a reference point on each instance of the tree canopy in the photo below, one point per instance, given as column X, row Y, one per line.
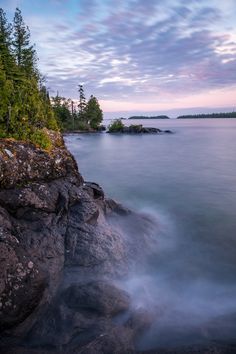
column 87, row 116
column 25, row 107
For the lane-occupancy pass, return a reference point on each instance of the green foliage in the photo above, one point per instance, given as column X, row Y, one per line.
column 210, row 115
column 25, row 104
column 62, row 108
column 149, row 117
column 69, row 119
column 116, row 126
column 82, row 102
column 40, row 138
column 93, row 113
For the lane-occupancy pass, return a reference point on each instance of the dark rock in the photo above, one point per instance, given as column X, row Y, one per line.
column 58, row 236
column 97, row 190
column 117, row 340
column 140, row 320
column 135, row 129
column 112, row 206
column 97, row 296
column 139, row 129
column 101, row 128
column 22, row 283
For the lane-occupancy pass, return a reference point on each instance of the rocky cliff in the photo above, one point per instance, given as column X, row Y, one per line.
column 63, row 250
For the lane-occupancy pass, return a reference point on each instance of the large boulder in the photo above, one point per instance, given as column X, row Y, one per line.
column 98, row 296
column 63, row 246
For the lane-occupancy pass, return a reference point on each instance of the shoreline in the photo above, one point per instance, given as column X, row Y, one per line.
column 41, row 214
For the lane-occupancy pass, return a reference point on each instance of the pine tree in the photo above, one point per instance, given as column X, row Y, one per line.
column 25, row 53
column 7, row 58
column 82, row 103
column 25, row 107
column 93, row 112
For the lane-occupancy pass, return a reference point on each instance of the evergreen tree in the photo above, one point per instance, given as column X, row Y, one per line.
column 5, row 43
column 82, row 103
column 25, row 107
column 93, row 112
column 25, row 53
column 61, row 107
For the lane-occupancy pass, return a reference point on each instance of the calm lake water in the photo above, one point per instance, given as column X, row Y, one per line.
column 187, row 181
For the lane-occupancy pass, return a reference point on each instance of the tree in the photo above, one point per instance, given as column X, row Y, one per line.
column 61, row 107
column 25, row 53
column 82, row 103
column 5, row 42
column 116, row 126
column 25, row 107
column 93, row 112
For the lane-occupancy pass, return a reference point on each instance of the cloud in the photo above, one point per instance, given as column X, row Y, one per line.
column 137, row 50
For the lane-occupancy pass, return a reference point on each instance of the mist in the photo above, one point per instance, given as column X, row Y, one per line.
column 186, row 304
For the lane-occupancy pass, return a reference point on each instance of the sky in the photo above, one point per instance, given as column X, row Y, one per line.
column 137, row 56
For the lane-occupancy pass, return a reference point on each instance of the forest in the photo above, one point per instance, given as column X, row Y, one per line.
column 210, row 115
column 26, row 108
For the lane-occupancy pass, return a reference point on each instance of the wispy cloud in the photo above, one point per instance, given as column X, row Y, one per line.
column 136, row 50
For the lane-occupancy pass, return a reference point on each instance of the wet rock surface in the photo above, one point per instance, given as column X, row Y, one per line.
column 61, row 254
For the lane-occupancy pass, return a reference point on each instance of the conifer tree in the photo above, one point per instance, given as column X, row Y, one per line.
column 5, row 39
column 93, row 112
column 82, row 103
column 24, row 52
column 25, row 107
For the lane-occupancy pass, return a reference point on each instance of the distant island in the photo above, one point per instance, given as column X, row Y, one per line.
column 151, row 117
column 210, row 115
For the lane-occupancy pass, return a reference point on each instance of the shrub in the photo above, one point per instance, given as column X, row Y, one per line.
column 116, row 126
column 40, row 138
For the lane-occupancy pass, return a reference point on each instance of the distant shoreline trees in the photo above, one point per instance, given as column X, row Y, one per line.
column 87, row 116
column 149, row 117
column 210, row 115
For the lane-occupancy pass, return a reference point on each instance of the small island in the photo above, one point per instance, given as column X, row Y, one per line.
column 149, row 117
column 117, row 126
column 209, row 115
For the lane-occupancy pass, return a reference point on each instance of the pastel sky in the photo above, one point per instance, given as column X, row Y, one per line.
column 137, row 56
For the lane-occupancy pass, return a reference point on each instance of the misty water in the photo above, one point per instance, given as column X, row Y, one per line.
column 187, row 182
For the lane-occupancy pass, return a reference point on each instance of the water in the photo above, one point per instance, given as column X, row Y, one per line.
column 187, row 181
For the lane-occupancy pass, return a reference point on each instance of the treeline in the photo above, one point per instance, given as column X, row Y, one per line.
column 149, row 117
column 210, row 115
column 85, row 115
column 25, row 107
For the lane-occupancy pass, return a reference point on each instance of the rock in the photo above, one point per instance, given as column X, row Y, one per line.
column 117, row 340
column 96, row 189
column 101, row 128
column 139, row 129
column 97, row 296
column 21, row 287
column 21, row 163
column 140, row 320
column 61, row 252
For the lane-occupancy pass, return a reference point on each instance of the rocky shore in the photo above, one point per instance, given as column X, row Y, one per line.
column 65, row 249
column 62, row 256
column 138, row 129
